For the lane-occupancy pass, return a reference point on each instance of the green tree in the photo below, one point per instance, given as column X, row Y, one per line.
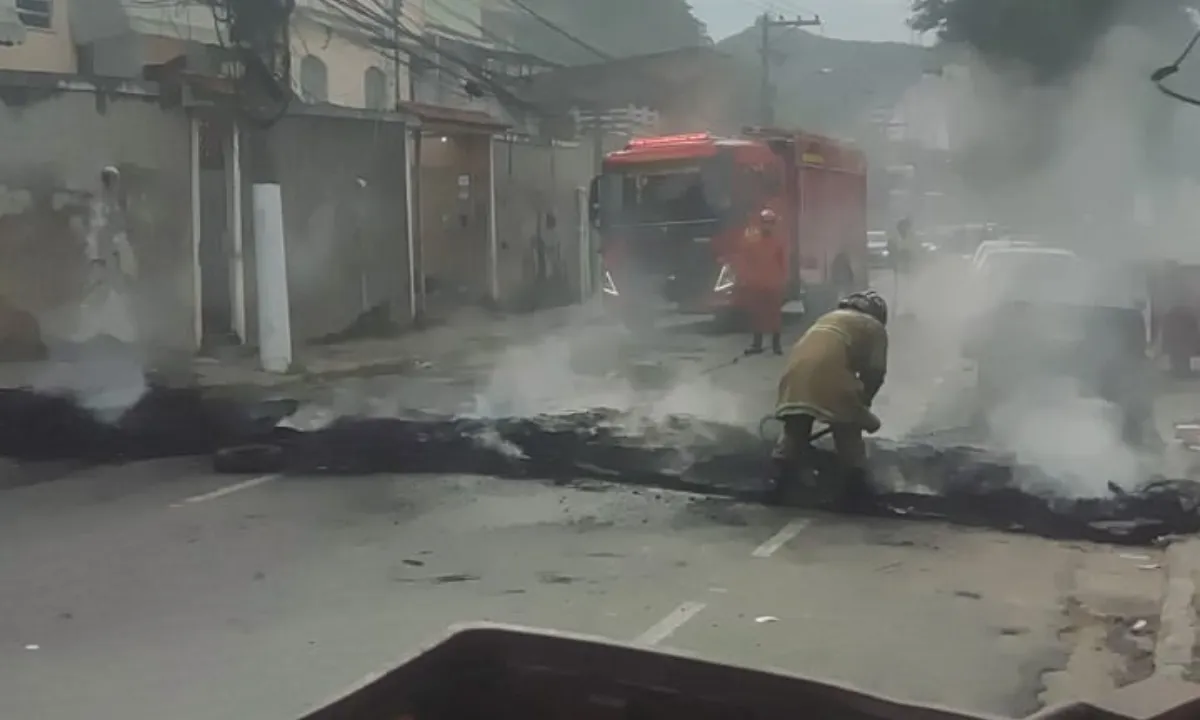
column 618, row 28
column 1051, row 37
column 1051, row 40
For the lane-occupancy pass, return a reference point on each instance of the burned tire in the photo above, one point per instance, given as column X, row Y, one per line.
column 256, row 459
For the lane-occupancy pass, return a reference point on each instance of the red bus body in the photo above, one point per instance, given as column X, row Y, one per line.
column 817, row 187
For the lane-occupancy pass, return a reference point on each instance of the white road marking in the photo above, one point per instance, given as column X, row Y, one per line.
column 666, row 627
column 780, row 539
column 227, row 490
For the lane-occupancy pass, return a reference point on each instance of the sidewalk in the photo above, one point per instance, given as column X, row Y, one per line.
column 470, row 342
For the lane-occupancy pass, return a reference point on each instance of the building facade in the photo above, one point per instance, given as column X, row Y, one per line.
column 334, row 60
column 35, row 36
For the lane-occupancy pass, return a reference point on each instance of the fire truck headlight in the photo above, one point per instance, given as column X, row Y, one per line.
column 608, row 287
column 725, row 280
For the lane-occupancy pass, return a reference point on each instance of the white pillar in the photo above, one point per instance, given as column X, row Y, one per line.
column 493, row 243
column 410, row 148
column 238, row 261
column 197, row 275
column 582, row 209
column 274, row 313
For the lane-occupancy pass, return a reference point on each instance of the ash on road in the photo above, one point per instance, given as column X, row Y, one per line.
column 159, row 589
column 156, row 589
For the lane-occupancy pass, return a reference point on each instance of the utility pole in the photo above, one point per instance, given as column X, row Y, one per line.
column 259, row 29
column 766, row 23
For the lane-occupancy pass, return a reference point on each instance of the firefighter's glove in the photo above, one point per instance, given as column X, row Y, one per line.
column 871, row 423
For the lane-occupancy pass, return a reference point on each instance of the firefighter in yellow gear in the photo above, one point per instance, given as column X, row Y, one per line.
column 833, row 373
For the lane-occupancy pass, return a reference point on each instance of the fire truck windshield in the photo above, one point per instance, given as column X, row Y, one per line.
column 667, row 193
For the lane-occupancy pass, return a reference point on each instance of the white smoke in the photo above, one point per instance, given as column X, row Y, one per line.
column 1088, row 189
column 590, row 366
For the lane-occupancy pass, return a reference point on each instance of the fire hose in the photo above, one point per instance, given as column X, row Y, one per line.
column 762, row 429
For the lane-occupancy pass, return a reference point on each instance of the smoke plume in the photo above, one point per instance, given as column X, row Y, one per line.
column 1079, row 165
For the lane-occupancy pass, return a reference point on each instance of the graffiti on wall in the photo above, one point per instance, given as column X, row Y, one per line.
column 40, row 262
column 46, row 277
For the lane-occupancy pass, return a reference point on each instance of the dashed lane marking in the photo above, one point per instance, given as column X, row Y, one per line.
column 227, row 490
column 666, row 627
column 780, row 539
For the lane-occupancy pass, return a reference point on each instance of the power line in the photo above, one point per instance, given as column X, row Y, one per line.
column 489, row 35
column 558, row 29
column 766, row 91
column 372, row 19
column 257, row 32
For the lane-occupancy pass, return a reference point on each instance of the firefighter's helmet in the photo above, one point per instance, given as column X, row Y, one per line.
column 868, row 302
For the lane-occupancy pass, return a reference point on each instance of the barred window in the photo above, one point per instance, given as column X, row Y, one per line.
column 314, row 79
column 375, row 89
column 36, row 13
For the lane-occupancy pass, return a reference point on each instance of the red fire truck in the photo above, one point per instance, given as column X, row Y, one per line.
column 673, row 211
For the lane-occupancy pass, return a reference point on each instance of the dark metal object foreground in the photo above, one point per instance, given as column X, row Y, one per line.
column 963, row 485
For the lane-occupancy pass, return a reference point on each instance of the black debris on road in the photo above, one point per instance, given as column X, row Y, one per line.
column 960, row 485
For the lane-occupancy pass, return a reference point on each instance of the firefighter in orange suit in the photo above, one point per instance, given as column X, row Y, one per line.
column 761, row 273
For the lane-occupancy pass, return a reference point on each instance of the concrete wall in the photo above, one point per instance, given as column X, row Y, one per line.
column 56, row 137
column 455, row 218
column 538, row 220
column 43, row 50
column 345, row 218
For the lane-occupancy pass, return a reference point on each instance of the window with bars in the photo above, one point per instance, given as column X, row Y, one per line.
column 375, row 89
column 314, row 79
column 36, row 13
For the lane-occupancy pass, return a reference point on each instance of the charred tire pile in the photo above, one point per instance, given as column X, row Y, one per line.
column 680, row 453
column 964, row 485
column 166, row 422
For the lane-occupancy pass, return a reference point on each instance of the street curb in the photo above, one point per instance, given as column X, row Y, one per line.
column 284, row 380
column 1175, row 646
column 556, row 319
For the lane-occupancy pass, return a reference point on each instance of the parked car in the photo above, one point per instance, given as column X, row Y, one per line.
column 1176, row 314
column 1049, row 313
column 1007, row 242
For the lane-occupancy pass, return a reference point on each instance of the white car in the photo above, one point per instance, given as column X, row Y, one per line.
column 1055, row 275
column 988, row 246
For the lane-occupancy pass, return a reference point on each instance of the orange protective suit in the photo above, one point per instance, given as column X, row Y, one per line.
column 760, row 267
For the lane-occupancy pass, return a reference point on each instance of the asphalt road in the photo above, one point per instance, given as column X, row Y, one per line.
column 158, row 590
column 161, row 590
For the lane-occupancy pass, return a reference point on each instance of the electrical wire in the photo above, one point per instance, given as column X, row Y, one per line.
column 489, row 35
column 257, row 33
column 558, row 29
column 1159, row 76
column 384, row 31
column 386, row 28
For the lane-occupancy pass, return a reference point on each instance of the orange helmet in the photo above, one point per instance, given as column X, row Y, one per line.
column 767, row 216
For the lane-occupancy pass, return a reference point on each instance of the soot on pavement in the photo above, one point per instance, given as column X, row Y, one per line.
column 962, row 485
